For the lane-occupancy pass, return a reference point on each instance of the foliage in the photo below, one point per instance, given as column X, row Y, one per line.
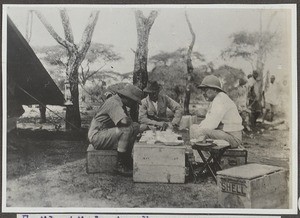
column 251, row 46
column 97, row 57
column 177, row 56
column 172, row 79
column 229, row 77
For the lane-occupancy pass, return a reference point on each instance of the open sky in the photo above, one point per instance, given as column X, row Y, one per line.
column 212, row 25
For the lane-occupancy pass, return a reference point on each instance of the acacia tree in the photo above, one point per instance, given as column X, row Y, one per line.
column 253, row 47
column 178, row 56
column 76, row 54
column 143, row 25
column 102, row 54
column 171, row 68
column 190, row 68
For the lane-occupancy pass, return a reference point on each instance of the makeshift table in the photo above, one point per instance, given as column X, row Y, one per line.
column 158, row 163
column 212, row 162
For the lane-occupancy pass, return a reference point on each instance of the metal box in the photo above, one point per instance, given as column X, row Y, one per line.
column 234, row 157
column 158, row 163
column 253, row 186
column 99, row 161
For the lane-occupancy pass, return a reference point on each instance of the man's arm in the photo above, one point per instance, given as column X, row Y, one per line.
column 214, row 115
column 124, row 122
column 176, row 109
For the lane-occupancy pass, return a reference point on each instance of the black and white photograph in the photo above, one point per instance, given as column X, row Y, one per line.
column 166, row 109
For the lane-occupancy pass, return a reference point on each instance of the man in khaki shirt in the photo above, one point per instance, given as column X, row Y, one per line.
column 113, row 128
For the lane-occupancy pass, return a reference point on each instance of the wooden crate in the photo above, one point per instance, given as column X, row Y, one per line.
column 158, row 163
column 99, row 161
column 253, row 186
column 234, row 157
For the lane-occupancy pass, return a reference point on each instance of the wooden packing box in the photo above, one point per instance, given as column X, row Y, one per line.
column 158, row 163
column 253, row 186
column 234, row 157
column 99, row 161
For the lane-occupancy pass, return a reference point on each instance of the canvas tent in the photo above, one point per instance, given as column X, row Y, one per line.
column 25, row 73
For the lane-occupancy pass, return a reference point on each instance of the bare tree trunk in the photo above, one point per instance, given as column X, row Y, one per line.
column 76, row 54
column 190, row 69
column 143, row 24
column 73, row 119
column 261, row 56
column 42, row 109
column 140, row 73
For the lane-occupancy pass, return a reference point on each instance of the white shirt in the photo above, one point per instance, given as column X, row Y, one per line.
column 154, row 104
column 272, row 94
column 222, row 110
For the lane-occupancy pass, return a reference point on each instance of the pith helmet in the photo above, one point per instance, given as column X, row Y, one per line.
column 211, row 82
column 132, row 92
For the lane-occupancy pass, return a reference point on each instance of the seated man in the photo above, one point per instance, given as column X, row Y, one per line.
column 222, row 120
column 153, row 111
column 112, row 127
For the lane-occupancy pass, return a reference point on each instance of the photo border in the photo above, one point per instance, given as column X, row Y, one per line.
column 294, row 130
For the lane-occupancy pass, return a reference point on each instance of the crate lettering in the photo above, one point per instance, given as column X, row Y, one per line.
column 233, row 187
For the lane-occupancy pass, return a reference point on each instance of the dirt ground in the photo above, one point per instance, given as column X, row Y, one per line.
column 48, row 169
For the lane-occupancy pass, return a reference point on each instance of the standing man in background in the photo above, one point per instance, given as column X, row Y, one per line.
column 254, row 97
column 271, row 98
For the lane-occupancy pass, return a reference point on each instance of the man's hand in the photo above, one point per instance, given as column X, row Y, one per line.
column 163, row 126
column 174, row 127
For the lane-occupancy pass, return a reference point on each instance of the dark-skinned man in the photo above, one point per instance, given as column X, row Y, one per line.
column 153, row 111
column 113, row 128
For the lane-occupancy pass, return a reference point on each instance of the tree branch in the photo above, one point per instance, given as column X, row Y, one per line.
column 151, row 19
column 88, row 33
column 190, row 49
column 133, row 51
column 66, row 25
column 193, row 36
column 52, row 32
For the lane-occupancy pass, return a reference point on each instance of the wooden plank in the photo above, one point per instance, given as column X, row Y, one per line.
column 249, row 171
column 162, row 174
column 233, row 193
column 270, row 191
column 159, row 155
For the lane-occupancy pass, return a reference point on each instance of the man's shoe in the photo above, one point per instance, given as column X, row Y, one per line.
column 123, row 170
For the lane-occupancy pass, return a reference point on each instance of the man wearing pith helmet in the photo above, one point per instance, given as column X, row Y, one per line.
column 113, row 128
column 222, row 120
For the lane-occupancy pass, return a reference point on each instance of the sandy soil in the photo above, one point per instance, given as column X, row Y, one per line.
column 47, row 169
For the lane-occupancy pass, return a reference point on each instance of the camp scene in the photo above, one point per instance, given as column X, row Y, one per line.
column 165, row 108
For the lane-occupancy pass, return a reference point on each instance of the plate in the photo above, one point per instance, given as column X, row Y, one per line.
column 177, row 143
